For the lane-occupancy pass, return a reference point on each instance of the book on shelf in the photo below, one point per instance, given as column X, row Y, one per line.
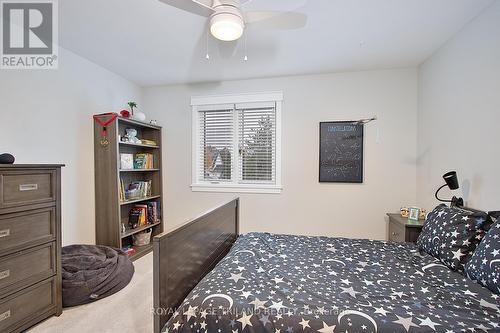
column 141, row 189
column 153, row 212
column 145, row 214
column 148, row 142
column 122, row 191
column 143, row 161
column 126, row 161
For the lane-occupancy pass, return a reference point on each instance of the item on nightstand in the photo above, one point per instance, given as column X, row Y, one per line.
column 132, row 136
column 153, row 122
column 414, row 214
column 142, row 238
column 126, row 161
column 404, row 212
column 423, row 214
column 7, row 159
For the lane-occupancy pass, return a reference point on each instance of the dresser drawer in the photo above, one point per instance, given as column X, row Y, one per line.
column 396, row 232
column 26, row 305
column 26, row 228
column 27, row 267
column 20, row 188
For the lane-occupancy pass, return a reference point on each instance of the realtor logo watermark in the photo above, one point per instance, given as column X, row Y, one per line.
column 29, row 34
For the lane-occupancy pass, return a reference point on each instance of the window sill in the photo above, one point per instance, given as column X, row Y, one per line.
column 231, row 188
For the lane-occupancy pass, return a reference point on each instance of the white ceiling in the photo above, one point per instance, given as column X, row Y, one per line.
column 151, row 43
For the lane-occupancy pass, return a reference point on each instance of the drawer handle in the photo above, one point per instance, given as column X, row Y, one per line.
column 4, row 233
column 4, row 274
column 5, row 315
column 28, row 187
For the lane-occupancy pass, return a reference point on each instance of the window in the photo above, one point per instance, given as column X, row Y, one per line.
column 236, row 143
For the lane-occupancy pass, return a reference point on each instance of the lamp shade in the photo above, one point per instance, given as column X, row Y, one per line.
column 227, row 26
column 451, row 180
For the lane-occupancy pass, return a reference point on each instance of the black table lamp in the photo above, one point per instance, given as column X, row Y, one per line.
column 451, row 180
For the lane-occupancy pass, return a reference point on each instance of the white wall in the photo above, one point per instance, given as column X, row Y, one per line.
column 305, row 206
column 459, row 114
column 46, row 117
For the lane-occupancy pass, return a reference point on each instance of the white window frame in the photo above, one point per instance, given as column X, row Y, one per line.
column 234, row 187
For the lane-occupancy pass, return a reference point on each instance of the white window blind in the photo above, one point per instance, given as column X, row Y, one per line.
column 236, row 147
column 257, row 143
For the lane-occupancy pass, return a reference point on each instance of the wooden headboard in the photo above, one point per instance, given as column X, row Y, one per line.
column 183, row 256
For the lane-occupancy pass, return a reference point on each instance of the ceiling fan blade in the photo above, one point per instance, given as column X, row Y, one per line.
column 276, row 19
column 198, row 7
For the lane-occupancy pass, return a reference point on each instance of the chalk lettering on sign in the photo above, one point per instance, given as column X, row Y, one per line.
column 341, row 152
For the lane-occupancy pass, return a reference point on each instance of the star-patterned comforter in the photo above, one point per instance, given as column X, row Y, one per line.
column 283, row 283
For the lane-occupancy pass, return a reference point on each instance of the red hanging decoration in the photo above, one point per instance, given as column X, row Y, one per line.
column 104, row 124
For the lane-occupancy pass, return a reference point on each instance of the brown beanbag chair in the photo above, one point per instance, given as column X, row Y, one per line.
column 92, row 272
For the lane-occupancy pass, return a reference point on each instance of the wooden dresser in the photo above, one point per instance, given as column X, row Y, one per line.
column 403, row 230
column 30, row 245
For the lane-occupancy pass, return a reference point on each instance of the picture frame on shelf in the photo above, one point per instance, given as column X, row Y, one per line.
column 414, row 214
column 127, row 161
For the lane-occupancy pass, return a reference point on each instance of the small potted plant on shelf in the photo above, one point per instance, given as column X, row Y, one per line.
column 136, row 115
column 132, row 105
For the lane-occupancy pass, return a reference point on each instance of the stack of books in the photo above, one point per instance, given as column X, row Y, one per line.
column 145, row 214
column 143, row 161
column 148, row 142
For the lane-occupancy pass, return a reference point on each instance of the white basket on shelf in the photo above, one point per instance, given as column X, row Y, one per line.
column 142, row 238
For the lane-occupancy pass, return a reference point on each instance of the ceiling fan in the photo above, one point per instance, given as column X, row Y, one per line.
column 228, row 19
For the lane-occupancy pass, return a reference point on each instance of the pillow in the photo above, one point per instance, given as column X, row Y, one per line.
column 484, row 266
column 451, row 234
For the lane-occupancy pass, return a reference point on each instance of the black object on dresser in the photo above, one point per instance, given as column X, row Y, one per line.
column 30, row 245
column 7, row 159
column 403, row 230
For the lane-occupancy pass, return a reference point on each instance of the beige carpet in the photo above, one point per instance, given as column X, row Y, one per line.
column 128, row 311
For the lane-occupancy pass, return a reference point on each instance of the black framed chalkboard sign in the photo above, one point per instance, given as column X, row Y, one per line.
column 341, row 152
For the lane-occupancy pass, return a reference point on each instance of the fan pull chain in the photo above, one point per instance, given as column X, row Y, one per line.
column 207, row 56
column 245, row 47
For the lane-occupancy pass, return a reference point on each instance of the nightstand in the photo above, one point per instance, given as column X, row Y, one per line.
column 403, row 230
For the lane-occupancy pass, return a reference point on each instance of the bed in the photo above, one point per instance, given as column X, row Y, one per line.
column 207, row 279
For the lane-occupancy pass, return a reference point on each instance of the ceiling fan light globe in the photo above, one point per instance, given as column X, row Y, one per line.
column 226, row 27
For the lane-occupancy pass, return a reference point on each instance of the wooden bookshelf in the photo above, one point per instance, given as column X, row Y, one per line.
column 111, row 213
